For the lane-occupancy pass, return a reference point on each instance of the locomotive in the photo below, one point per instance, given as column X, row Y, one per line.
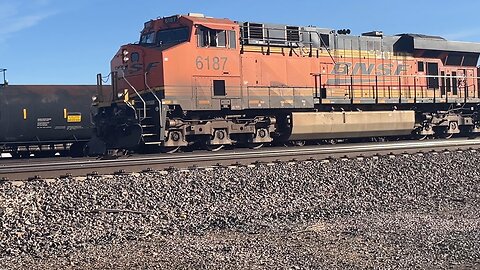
column 45, row 119
column 197, row 80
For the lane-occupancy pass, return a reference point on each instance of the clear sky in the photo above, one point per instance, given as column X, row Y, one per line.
column 69, row 42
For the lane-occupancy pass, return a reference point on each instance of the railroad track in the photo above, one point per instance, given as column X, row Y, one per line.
column 54, row 168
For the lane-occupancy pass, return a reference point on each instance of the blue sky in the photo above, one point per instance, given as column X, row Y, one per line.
column 69, row 42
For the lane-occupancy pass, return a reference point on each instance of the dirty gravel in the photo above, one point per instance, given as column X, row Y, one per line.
column 419, row 211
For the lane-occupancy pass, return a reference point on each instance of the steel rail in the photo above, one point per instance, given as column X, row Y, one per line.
column 79, row 167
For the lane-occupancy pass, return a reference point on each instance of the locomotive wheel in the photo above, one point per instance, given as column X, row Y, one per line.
column 378, row 139
column 447, row 135
column 422, row 137
column 298, row 143
column 331, row 141
column 171, row 149
column 214, row 148
column 327, row 141
column 255, row 146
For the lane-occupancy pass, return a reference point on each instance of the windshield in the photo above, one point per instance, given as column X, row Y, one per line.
column 172, row 36
column 148, row 38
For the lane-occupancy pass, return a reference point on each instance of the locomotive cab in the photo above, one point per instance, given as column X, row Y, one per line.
column 179, row 64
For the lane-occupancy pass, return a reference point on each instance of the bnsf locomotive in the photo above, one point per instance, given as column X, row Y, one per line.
column 193, row 79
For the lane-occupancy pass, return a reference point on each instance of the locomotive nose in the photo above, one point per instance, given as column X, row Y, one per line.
column 127, row 58
column 129, row 55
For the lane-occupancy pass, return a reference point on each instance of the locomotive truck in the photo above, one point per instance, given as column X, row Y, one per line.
column 192, row 79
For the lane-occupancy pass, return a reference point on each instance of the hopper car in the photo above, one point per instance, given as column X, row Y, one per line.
column 45, row 119
column 198, row 80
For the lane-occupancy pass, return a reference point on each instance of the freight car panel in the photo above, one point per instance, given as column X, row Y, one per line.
column 44, row 114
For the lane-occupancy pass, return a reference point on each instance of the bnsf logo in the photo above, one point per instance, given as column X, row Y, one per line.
column 346, row 68
column 134, row 68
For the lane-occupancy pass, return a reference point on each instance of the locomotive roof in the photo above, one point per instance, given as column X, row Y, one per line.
column 199, row 19
column 411, row 42
column 407, row 42
column 421, row 36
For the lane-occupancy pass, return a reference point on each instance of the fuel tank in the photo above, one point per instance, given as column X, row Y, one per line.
column 326, row 125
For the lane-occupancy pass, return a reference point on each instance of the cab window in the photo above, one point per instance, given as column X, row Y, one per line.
column 215, row 38
column 222, row 39
column 148, row 38
column 232, row 39
column 172, row 36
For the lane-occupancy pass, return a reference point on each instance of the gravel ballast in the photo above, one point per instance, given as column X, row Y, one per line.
column 419, row 211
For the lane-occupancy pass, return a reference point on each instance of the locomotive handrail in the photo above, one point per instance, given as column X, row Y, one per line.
column 285, row 39
column 139, row 96
column 400, row 75
column 401, row 89
column 324, row 45
column 156, row 97
column 376, row 88
column 268, row 40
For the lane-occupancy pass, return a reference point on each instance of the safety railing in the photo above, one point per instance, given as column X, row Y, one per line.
column 155, row 96
column 269, row 40
column 138, row 95
column 396, row 86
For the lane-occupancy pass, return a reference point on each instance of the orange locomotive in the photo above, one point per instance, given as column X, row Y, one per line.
column 193, row 79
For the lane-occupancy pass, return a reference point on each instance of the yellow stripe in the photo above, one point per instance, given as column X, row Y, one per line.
column 24, row 114
column 65, row 113
column 126, row 97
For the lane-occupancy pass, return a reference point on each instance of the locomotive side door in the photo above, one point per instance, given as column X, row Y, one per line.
column 462, row 84
column 445, row 84
column 202, row 96
column 217, row 92
column 470, row 83
column 454, row 85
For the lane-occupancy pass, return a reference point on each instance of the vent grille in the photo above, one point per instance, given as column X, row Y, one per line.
column 293, row 34
column 256, row 31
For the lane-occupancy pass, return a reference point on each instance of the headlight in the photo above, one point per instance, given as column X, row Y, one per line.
column 120, row 95
column 94, row 98
column 125, row 56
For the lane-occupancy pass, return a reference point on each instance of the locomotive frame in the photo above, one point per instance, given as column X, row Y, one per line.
column 199, row 80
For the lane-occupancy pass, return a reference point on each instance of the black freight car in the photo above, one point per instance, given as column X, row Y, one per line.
column 45, row 119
